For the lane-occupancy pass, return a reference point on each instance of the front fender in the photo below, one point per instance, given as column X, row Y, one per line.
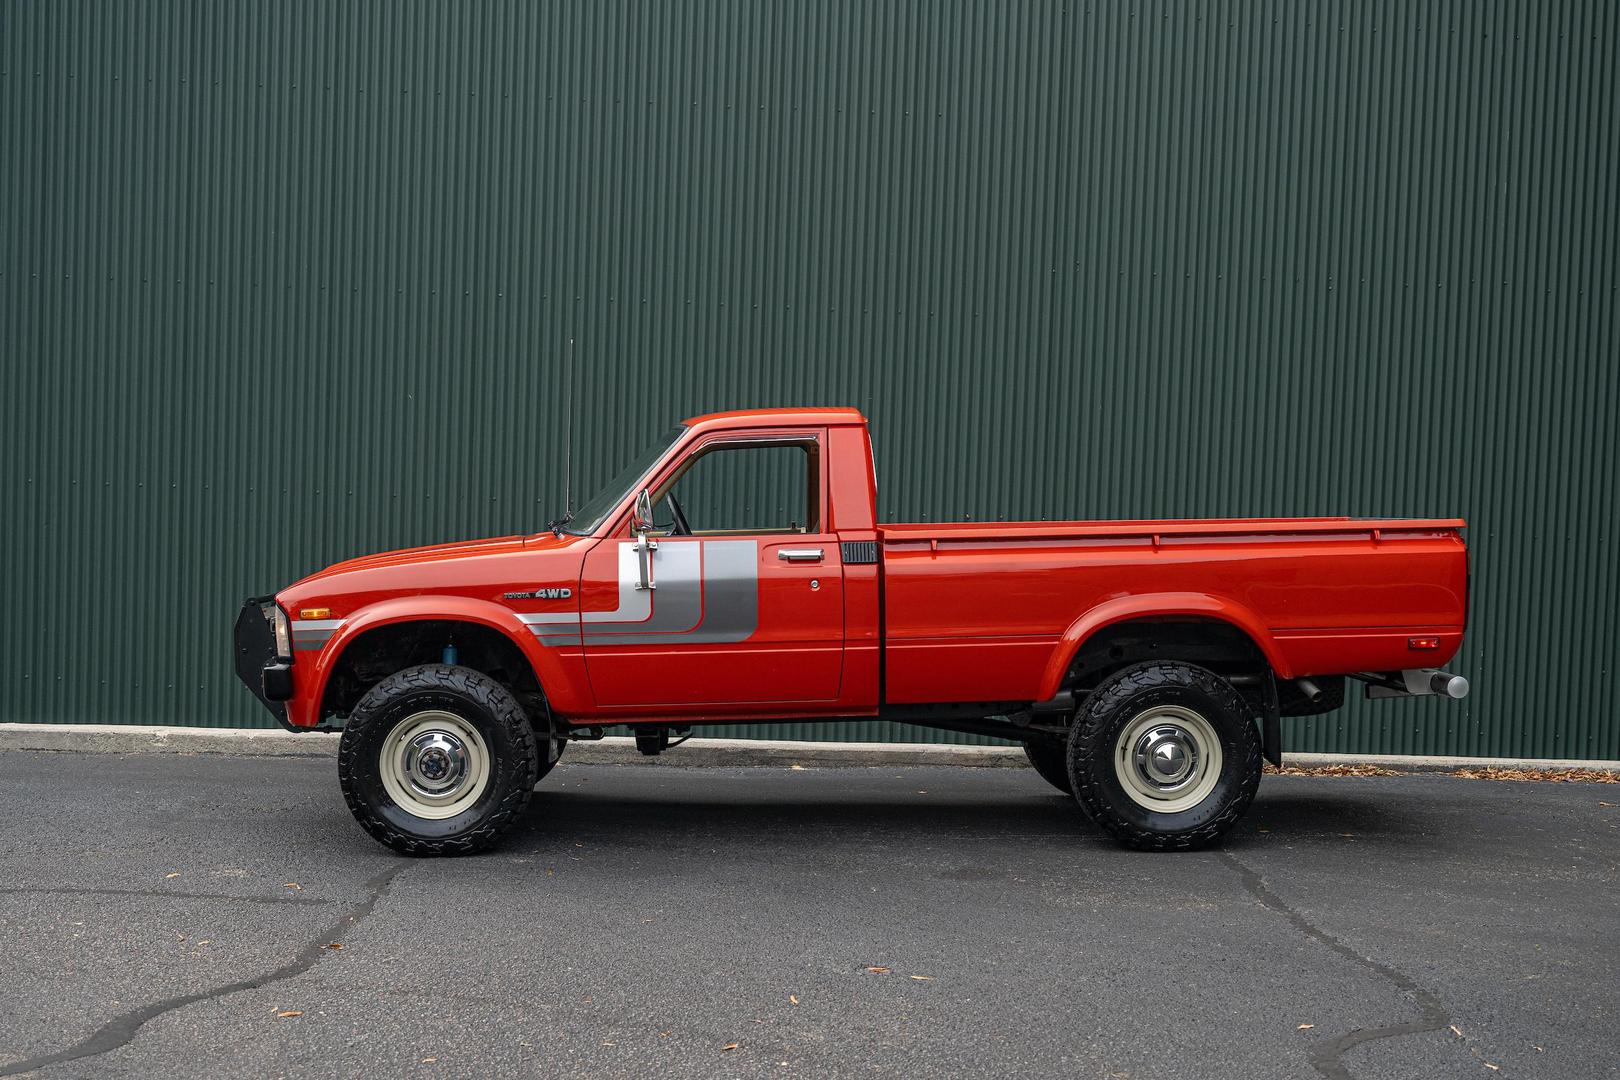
column 304, row 709
column 1120, row 609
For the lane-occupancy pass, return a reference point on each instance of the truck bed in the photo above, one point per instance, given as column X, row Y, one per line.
column 990, row 611
column 1226, row 527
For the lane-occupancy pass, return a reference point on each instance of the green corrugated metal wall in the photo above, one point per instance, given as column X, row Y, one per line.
column 281, row 283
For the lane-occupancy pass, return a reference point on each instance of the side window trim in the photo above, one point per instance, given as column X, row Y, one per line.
column 810, row 442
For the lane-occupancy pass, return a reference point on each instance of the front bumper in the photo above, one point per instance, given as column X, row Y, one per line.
column 261, row 670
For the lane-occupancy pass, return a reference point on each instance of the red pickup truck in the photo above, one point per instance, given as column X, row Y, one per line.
column 736, row 571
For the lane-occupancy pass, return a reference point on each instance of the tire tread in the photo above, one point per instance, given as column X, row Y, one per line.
column 485, row 692
column 1114, row 694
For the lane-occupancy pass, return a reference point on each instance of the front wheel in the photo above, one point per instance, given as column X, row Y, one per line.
column 1164, row 756
column 437, row 760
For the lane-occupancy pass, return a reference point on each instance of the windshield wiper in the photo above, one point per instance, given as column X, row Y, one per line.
column 555, row 524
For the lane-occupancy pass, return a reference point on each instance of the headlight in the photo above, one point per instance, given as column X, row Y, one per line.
column 282, row 629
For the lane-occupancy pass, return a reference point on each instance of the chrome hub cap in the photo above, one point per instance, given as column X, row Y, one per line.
column 434, row 764
column 1166, row 756
column 1168, row 759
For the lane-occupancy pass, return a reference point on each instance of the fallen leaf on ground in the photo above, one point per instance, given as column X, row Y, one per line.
column 752, row 1021
column 333, row 945
column 206, row 941
column 1493, row 1068
column 1602, row 803
column 1331, row 770
column 1304, row 1027
column 793, row 999
column 176, row 874
column 878, row 970
column 1554, row 776
column 728, row 1046
column 1457, row 1031
column 288, row 1013
column 292, row 885
column 663, row 1034
column 797, row 768
column 921, row 978
column 429, row 1061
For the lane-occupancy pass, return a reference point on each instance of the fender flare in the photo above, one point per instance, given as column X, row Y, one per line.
column 548, row 668
column 1123, row 608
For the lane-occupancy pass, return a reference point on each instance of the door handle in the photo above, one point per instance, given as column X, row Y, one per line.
column 799, row 554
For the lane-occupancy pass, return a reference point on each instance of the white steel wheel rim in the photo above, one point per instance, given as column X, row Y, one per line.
column 1168, row 759
column 434, row 764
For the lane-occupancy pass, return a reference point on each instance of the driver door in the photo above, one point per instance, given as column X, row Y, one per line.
column 746, row 609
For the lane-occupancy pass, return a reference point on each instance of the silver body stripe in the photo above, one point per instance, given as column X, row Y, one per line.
column 708, row 592
column 310, row 634
column 635, row 605
column 316, row 624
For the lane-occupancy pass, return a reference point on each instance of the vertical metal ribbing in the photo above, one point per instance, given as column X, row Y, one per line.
column 285, row 283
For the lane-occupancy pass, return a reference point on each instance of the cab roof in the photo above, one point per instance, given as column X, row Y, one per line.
column 742, row 418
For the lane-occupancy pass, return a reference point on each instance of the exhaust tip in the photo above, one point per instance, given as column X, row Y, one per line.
column 1448, row 685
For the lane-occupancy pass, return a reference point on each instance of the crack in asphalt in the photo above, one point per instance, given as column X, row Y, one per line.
column 122, row 1029
column 1328, row 1056
column 163, row 894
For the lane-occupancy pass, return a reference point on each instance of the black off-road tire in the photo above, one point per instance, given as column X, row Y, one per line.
column 1050, row 758
column 1119, row 701
column 478, row 700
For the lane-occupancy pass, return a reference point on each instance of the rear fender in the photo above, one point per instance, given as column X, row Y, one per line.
column 1121, row 609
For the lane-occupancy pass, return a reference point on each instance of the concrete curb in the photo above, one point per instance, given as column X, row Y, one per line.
column 1416, row 764
column 258, row 742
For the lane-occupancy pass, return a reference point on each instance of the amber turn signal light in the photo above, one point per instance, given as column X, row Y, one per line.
column 326, row 613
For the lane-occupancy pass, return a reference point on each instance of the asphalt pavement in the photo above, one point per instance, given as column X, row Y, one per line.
column 209, row 916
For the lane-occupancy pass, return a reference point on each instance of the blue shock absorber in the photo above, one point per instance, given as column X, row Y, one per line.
column 450, row 655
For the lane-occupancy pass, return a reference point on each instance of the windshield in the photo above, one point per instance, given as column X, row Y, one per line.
column 588, row 518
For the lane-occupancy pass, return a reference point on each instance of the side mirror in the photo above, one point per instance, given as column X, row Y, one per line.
column 641, row 523
column 641, row 517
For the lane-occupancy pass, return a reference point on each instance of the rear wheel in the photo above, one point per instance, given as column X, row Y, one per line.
column 1051, row 760
column 1164, row 756
column 437, row 760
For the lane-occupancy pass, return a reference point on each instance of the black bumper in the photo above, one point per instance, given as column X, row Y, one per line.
column 268, row 675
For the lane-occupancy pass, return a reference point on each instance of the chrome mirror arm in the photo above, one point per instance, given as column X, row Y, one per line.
column 641, row 524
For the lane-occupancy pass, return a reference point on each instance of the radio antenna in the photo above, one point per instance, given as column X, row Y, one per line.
column 568, row 438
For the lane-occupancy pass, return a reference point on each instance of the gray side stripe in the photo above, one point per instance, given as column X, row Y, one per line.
column 310, row 634
column 635, row 605
column 708, row 592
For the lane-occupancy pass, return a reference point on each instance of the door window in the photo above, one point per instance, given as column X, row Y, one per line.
column 752, row 488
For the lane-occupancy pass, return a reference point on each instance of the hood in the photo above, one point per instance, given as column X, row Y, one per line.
column 440, row 553
column 429, row 553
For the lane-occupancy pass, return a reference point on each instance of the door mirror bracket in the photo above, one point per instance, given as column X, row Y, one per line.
column 641, row 524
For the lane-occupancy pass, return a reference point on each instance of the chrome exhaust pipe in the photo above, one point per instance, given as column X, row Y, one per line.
column 1448, row 685
column 1312, row 692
